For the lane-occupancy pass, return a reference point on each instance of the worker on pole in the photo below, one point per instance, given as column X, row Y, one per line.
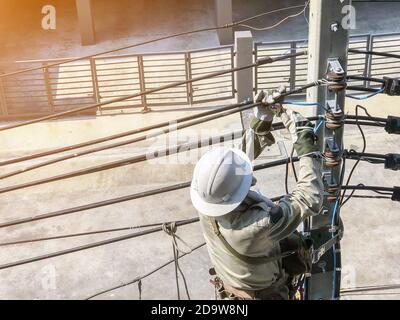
column 253, row 244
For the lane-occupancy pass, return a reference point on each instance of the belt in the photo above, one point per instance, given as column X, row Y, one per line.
column 227, row 290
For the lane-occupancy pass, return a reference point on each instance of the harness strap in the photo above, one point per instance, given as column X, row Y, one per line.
column 244, row 258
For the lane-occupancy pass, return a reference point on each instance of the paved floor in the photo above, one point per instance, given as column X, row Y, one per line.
column 370, row 246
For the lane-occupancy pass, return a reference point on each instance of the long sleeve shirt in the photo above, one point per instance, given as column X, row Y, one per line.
column 252, row 230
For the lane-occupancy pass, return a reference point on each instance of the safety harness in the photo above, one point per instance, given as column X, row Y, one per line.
column 244, row 258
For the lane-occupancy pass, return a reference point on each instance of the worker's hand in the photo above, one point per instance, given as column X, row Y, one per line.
column 263, row 112
column 270, row 106
column 301, row 131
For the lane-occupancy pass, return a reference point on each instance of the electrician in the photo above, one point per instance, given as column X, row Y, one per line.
column 252, row 242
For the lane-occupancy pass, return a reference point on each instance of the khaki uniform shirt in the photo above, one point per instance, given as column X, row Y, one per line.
column 251, row 231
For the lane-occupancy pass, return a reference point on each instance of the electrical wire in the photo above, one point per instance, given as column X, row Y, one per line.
column 357, row 77
column 74, row 235
column 367, row 96
column 381, row 122
column 130, row 197
column 149, row 193
column 91, row 245
column 375, row 53
column 196, row 120
column 137, row 279
column 333, row 225
column 229, row 25
column 121, row 135
column 368, row 197
column 135, row 159
column 371, row 288
column 128, row 161
column 342, row 201
column 360, row 88
column 278, row 23
column 261, row 61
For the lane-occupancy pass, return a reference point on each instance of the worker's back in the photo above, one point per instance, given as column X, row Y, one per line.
column 247, row 233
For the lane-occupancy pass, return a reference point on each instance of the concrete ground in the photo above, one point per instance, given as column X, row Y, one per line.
column 369, row 247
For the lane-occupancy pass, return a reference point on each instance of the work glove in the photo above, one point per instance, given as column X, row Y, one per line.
column 262, row 121
column 301, row 131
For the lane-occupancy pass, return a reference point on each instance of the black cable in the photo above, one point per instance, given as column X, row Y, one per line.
column 292, row 163
column 355, row 77
column 261, row 61
column 368, row 197
column 135, row 196
column 91, row 245
column 382, row 122
column 196, row 121
column 73, row 235
column 146, row 232
column 120, row 135
column 144, row 276
column 128, row 161
column 342, row 202
column 135, row 159
column 371, row 288
column 377, row 189
column 364, row 89
column 287, row 175
column 375, row 53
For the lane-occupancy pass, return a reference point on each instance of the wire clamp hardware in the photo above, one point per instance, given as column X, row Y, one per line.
column 392, row 86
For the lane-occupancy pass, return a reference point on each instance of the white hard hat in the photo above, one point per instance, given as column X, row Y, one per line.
column 221, row 181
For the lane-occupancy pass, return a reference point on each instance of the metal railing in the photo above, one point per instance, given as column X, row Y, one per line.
column 293, row 73
column 89, row 81
column 95, row 80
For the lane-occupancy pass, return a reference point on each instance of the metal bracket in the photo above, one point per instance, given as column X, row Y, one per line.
column 335, row 66
column 332, row 145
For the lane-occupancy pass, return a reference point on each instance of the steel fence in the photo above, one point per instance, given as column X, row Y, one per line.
column 293, row 73
column 84, row 82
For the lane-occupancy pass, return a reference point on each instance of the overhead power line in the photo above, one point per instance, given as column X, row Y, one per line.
column 92, row 245
column 143, row 157
column 119, row 135
column 135, row 196
column 278, row 23
column 137, row 279
column 81, row 234
column 230, row 25
column 375, row 53
column 150, row 231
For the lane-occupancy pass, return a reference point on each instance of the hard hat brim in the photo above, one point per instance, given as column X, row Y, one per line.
column 220, row 209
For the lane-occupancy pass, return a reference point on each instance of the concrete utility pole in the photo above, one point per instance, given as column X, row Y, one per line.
column 244, row 79
column 328, row 43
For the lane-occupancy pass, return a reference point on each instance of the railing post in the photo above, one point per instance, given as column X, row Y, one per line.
column 142, row 84
column 293, row 49
column 368, row 59
column 244, row 78
column 255, row 53
column 3, row 103
column 95, row 83
column 189, row 86
column 48, row 87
